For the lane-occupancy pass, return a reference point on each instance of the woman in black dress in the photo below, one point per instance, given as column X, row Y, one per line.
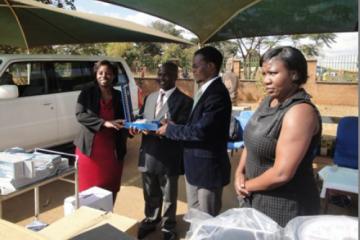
column 275, row 174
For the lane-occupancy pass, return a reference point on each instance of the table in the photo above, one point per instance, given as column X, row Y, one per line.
column 338, row 180
column 36, row 185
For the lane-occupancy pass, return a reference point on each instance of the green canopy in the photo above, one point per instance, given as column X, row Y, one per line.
column 30, row 23
column 215, row 20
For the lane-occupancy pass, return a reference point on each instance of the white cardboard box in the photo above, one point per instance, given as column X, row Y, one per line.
column 25, row 165
column 12, row 165
column 41, row 161
column 94, row 197
column 8, row 184
column 84, row 219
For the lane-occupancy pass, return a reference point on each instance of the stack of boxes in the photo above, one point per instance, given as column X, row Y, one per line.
column 18, row 169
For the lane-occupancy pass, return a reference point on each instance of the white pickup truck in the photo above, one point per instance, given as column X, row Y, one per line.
column 38, row 94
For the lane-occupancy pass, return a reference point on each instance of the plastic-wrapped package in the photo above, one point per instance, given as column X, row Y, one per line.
column 18, row 168
column 234, row 224
column 322, row 227
column 250, row 224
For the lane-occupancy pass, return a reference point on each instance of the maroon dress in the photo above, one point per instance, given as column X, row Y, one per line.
column 101, row 169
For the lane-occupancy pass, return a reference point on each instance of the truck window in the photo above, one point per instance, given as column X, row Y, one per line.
column 30, row 77
column 73, row 76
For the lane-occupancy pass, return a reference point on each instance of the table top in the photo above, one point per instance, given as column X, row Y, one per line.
column 339, row 178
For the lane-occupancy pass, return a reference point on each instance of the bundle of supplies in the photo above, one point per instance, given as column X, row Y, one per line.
column 19, row 168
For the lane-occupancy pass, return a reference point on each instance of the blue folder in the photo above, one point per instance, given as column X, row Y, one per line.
column 149, row 125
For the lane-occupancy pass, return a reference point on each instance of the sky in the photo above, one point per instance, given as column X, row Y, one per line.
column 346, row 43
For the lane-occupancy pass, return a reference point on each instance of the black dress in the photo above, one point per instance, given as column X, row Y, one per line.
column 298, row 197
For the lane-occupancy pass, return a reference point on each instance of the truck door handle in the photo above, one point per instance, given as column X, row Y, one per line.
column 46, row 104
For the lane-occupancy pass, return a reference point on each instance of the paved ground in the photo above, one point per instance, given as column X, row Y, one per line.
column 130, row 199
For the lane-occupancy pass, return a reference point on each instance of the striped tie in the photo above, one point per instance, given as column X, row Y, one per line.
column 160, row 103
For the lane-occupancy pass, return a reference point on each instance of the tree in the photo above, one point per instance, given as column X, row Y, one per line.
column 229, row 49
column 250, row 49
column 81, row 49
column 314, row 42
column 151, row 55
column 118, row 49
column 167, row 28
column 6, row 49
column 128, row 51
column 180, row 53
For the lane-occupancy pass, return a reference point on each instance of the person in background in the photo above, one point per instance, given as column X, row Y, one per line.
column 160, row 159
column 101, row 143
column 231, row 80
column 275, row 174
column 205, row 136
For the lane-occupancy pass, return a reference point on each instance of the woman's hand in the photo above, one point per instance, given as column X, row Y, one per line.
column 240, row 179
column 240, row 187
column 116, row 124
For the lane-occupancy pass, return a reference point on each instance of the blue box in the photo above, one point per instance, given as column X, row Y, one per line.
column 148, row 125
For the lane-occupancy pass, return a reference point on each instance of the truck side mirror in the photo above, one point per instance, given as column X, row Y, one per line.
column 8, row 91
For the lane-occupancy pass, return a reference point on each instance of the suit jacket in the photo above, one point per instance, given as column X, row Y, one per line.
column 205, row 138
column 157, row 154
column 87, row 114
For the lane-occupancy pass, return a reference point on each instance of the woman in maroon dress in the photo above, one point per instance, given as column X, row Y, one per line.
column 101, row 144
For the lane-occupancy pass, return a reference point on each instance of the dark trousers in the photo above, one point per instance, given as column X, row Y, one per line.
column 160, row 195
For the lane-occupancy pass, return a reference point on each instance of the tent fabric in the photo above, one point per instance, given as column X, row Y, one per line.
column 213, row 20
column 30, row 23
column 202, row 17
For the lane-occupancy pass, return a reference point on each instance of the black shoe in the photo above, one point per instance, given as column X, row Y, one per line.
column 146, row 227
column 143, row 232
column 168, row 235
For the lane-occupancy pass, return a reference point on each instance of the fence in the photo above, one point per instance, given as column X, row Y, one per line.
column 248, row 69
column 339, row 69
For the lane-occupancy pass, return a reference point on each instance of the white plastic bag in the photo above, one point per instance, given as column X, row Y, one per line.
column 234, row 224
column 322, row 227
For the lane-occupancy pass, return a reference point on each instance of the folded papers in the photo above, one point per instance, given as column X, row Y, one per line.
column 18, row 168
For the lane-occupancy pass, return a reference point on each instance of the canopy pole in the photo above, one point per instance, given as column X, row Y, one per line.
column 18, row 22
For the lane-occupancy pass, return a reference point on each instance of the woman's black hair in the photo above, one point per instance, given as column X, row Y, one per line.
column 293, row 59
column 110, row 65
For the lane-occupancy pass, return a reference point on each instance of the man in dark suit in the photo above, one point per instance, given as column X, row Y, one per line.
column 160, row 158
column 207, row 165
